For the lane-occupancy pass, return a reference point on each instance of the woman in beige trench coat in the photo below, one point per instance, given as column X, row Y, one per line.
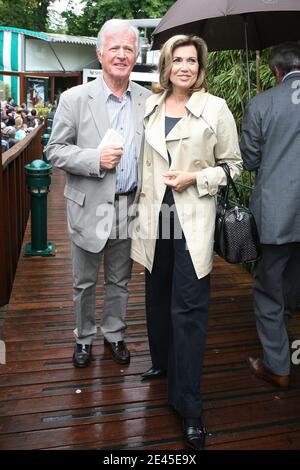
column 187, row 133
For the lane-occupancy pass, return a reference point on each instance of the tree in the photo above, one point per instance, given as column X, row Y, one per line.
column 97, row 12
column 40, row 14
column 26, row 14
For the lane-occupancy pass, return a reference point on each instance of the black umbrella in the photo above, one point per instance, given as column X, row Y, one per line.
column 232, row 24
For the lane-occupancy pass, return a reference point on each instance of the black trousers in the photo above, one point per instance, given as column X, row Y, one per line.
column 177, row 314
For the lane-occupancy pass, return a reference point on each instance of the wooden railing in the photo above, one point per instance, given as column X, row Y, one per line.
column 14, row 205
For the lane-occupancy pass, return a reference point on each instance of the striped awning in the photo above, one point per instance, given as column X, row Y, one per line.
column 52, row 37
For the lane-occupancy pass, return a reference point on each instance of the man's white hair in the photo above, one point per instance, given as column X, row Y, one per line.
column 116, row 26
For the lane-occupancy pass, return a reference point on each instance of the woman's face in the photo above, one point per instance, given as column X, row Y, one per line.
column 185, row 66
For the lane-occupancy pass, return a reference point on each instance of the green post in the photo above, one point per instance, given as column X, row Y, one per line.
column 38, row 180
column 44, row 141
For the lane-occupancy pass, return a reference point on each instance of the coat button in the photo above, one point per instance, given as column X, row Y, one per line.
column 142, row 194
column 148, row 163
column 197, row 162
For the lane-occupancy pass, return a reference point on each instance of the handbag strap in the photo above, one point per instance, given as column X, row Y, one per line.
column 230, row 183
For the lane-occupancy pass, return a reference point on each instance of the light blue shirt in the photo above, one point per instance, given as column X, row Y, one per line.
column 121, row 119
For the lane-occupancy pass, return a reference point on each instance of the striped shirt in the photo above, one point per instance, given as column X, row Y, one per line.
column 121, row 119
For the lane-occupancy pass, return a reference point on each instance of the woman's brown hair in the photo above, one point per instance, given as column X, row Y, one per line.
column 166, row 61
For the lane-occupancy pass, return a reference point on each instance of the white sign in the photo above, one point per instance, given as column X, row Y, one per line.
column 147, row 77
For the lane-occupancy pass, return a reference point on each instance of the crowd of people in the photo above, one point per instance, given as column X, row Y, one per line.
column 16, row 122
column 161, row 167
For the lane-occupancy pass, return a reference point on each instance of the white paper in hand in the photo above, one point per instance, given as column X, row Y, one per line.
column 111, row 137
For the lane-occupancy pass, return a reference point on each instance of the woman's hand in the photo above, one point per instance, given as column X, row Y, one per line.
column 179, row 180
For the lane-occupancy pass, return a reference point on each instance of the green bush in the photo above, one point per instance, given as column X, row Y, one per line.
column 226, row 77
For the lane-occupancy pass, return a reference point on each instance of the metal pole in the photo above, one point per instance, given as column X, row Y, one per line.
column 39, row 221
column 38, row 180
column 247, row 58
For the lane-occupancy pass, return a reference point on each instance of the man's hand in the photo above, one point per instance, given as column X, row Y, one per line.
column 110, row 157
column 179, row 180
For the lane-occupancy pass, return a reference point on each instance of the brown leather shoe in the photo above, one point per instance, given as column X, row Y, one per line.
column 119, row 351
column 257, row 368
column 82, row 355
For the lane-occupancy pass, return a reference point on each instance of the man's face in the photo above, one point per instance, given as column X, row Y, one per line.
column 118, row 55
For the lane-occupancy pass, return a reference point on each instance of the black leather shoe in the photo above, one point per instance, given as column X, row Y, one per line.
column 153, row 373
column 82, row 355
column 119, row 351
column 194, row 433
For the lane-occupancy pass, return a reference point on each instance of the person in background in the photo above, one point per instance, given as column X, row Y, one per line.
column 4, row 142
column 10, row 118
column 8, row 134
column 3, row 109
column 51, row 114
column 101, row 185
column 24, row 115
column 270, row 146
column 34, row 115
column 188, row 132
column 31, row 124
column 10, row 105
column 20, row 128
column 4, row 145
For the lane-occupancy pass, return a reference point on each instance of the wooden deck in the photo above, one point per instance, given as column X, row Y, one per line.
column 45, row 403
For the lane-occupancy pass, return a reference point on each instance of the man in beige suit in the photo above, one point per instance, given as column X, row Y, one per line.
column 101, row 181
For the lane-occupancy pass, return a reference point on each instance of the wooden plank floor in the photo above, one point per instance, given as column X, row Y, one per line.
column 45, row 403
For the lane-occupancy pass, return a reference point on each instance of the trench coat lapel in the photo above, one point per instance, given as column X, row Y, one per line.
column 197, row 103
column 155, row 124
column 195, row 106
column 98, row 106
column 155, row 134
column 155, row 111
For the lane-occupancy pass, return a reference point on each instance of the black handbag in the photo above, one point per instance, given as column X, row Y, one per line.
column 236, row 236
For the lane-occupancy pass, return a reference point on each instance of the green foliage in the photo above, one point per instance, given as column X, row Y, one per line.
column 97, row 12
column 27, row 14
column 227, row 77
column 42, row 110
